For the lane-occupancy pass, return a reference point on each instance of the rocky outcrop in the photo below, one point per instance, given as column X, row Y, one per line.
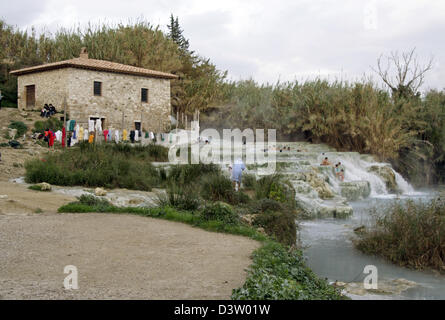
column 387, row 175
column 12, row 133
column 44, row 186
column 385, row 287
column 355, row 190
column 100, row 192
column 317, row 208
column 316, row 182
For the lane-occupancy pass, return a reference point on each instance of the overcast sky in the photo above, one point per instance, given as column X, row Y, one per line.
column 270, row 40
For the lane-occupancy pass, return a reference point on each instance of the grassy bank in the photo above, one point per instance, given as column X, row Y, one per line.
column 281, row 274
column 105, row 165
column 277, row 272
column 410, row 234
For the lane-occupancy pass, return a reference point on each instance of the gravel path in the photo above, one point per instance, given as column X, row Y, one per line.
column 117, row 257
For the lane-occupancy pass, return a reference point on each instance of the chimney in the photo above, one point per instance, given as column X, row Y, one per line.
column 83, row 53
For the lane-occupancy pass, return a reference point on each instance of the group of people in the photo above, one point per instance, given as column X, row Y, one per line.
column 48, row 111
column 338, row 168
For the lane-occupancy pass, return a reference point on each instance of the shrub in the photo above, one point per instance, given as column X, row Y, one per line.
column 409, row 234
column 265, row 205
column 181, row 197
column 52, row 123
column 281, row 274
column 249, row 181
column 100, row 205
column 219, row 211
column 107, row 166
column 188, row 173
column 263, row 186
column 240, row 198
column 90, row 200
column 19, row 126
column 279, row 225
column 272, row 187
column 217, row 187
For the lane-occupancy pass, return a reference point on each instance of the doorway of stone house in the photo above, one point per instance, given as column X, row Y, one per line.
column 137, row 127
column 30, row 97
column 95, row 119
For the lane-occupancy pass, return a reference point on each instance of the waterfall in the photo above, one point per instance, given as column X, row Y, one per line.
column 404, row 186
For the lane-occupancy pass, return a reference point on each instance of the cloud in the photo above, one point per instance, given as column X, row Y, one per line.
column 283, row 39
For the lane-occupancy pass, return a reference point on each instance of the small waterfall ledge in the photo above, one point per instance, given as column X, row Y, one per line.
column 319, row 191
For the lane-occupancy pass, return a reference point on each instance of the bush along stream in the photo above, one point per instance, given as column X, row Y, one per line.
column 410, row 234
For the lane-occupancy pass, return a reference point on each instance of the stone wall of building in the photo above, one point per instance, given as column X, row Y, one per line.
column 120, row 102
column 50, row 87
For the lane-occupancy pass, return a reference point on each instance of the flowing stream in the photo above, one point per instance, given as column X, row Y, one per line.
column 337, row 207
column 330, row 254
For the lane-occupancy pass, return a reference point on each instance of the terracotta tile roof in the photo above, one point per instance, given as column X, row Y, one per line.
column 99, row 65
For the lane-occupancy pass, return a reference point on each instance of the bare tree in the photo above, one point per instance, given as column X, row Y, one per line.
column 403, row 73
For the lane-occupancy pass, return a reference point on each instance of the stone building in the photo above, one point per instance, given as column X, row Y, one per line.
column 121, row 96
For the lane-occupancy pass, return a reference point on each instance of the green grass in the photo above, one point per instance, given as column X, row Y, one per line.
column 277, row 272
column 410, row 234
column 37, row 188
column 107, row 165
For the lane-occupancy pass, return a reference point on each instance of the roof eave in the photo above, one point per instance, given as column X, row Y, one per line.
column 71, row 65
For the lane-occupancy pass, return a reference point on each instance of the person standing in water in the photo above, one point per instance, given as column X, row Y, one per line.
column 237, row 172
column 341, row 175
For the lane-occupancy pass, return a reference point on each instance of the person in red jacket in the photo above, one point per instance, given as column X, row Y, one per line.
column 51, row 137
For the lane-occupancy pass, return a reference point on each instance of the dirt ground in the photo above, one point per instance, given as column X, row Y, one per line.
column 16, row 199
column 13, row 160
column 116, row 256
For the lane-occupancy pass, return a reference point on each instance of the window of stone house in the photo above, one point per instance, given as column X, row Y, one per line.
column 97, row 88
column 144, row 95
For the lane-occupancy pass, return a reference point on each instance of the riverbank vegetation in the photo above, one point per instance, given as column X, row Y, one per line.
column 409, row 233
column 278, row 273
